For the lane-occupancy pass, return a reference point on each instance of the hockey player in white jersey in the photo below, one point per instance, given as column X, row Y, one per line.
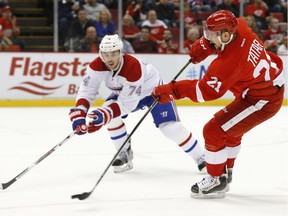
column 131, row 82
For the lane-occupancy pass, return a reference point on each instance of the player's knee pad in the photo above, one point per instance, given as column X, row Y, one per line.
column 174, row 131
column 215, row 137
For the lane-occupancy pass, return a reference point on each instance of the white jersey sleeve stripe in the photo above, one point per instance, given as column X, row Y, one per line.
column 199, row 93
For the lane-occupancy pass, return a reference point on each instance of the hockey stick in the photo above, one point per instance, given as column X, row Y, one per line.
column 3, row 186
column 85, row 195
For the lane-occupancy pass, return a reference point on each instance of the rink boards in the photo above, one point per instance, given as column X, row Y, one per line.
column 52, row 79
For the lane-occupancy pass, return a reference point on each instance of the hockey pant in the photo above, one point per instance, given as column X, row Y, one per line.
column 223, row 133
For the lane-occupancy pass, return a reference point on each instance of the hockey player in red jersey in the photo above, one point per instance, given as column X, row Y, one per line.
column 252, row 74
column 131, row 82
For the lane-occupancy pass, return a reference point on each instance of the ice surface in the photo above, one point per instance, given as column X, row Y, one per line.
column 161, row 179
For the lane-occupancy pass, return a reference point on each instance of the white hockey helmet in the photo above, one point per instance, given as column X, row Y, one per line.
column 111, row 43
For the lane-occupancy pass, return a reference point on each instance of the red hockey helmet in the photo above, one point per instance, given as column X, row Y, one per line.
column 222, row 20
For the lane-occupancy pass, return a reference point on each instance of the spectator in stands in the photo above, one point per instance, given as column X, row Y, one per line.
column 127, row 47
column 202, row 9
column 274, row 32
column 149, row 4
column 77, row 32
column 166, row 13
column 273, row 36
column 80, row 24
column 89, row 43
column 274, row 5
column 283, row 47
column 104, row 25
column 167, row 45
column 9, row 31
column 111, row 4
column 144, row 44
column 136, row 10
column 2, row 4
column 197, row 6
column 78, row 4
column 259, row 9
column 189, row 18
column 93, row 9
column 130, row 30
column 193, row 34
column 92, row 41
column 229, row 5
column 251, row 22
column 176, row 4
column 65, row 17
column 157, row 26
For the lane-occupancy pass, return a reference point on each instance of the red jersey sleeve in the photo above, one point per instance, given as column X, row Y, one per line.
column 241, row 66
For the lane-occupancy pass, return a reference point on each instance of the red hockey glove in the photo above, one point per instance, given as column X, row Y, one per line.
column 100, row 117
column 200, row 50
column 78, row 118
column 165, row 93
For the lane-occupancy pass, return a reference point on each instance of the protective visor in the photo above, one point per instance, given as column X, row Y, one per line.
column 112, row 55
column 209, row 35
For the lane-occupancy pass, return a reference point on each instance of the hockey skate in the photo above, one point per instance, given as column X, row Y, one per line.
column 201, row 164
column 229, row 178
column 229, row 173
column 123, row 162
column 211, row 187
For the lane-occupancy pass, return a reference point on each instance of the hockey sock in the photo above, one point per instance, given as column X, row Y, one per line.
column 176, row 132
column 118, row 133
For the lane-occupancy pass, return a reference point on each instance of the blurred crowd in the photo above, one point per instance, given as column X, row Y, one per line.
column 9, row 30
column 149, row 26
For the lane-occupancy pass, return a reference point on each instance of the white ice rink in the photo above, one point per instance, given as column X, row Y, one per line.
column 159, row 184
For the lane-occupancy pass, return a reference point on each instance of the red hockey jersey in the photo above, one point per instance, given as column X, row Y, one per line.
column 242, row 65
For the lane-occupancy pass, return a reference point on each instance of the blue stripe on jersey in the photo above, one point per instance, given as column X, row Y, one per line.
column 192, row 147
column 118, row 137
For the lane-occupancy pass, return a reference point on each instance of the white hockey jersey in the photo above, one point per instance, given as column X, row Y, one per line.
column 133, row 81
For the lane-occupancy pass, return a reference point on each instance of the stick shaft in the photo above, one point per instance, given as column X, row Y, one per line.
column 87, row 194
column 3, row 186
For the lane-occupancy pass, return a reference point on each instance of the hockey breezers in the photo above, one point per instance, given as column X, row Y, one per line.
column 3, row 186
column 85, row 195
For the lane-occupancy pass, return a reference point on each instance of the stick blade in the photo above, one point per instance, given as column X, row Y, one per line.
column 3, row 186
column 82, row 196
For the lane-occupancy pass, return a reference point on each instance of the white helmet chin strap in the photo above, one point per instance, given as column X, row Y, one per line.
column 223, row 44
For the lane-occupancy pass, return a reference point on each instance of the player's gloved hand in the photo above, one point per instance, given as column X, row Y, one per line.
column 200, row 50
column 165, row 93
column 100, row 117
column 78, row 118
